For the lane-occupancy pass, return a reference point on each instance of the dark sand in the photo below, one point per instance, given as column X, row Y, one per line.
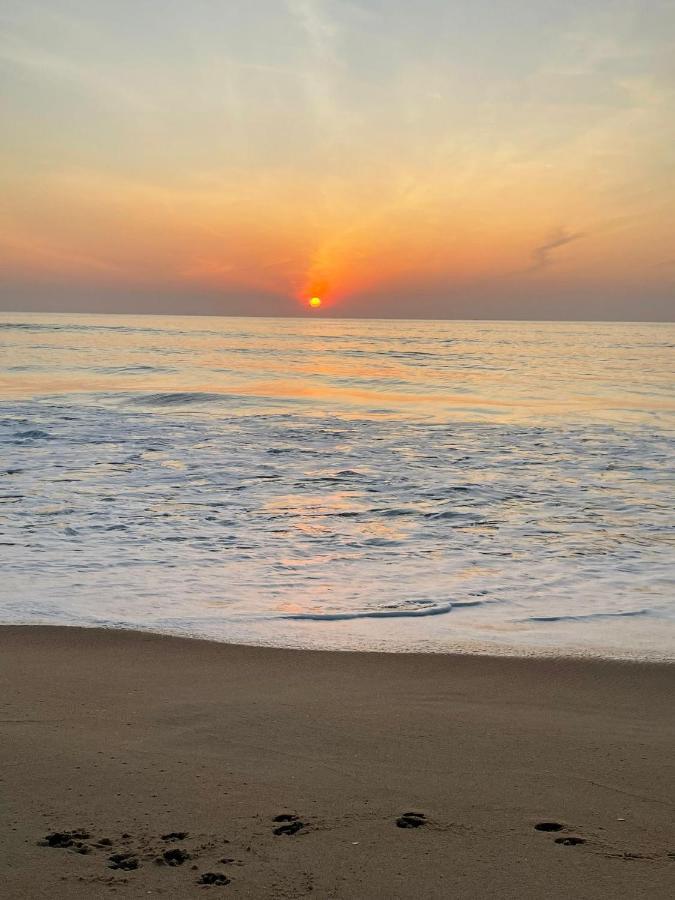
column 128, row 737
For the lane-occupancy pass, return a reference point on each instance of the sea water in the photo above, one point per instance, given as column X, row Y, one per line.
column 346, row 484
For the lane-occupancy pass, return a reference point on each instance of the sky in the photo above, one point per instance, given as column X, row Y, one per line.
column 441, row 159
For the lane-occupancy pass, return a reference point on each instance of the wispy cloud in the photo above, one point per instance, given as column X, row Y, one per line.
column 541, row 254
column 322, row 69
column 21, row 250
column 86, row 79
column 320, row 30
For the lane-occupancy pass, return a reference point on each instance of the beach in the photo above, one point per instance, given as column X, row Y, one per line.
column 336, row 437
column 136, row 764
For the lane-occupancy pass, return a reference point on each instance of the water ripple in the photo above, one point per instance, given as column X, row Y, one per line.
column 332, row 484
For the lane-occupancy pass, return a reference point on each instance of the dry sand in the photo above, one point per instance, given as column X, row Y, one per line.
column 127, row 737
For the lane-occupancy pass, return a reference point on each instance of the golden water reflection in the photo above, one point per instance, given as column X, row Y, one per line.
column 503, row 372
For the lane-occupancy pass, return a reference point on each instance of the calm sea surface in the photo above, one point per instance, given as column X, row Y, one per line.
column 340, row 483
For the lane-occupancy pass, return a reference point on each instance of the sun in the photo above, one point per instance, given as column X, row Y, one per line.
column 315, row 302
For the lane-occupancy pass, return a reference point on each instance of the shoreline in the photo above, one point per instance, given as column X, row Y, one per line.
column 488, row 650
column 126, row 736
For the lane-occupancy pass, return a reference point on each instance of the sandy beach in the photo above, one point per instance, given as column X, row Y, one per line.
column 135, row 765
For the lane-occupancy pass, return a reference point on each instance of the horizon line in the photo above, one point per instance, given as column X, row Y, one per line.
column 334, row 318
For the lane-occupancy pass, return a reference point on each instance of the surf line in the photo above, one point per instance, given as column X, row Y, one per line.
column 439, row 610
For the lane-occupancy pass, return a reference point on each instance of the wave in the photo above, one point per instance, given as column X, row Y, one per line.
column 589, row 616
column 132, row 370
column 179, row 398
column 439, row 610
column 31, row 434
column 42, row 327
column 454, row 514
column 336, row 476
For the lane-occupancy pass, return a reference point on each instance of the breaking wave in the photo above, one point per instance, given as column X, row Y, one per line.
column 234, row 478
column 398, row 613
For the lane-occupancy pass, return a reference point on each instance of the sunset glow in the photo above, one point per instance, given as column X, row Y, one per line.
column 315, row 302
column 461, row 161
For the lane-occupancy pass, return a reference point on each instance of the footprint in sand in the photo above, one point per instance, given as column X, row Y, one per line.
column 213, row 878
column 67, row 840
column 548, row 826
column 174, row 857
column 293, row 824
column 64, row 839
column 411, row 820
column 291, row 828
column 568, row 840
column 125, row 861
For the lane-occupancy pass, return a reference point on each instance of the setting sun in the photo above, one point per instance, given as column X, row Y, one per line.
column 315, row 302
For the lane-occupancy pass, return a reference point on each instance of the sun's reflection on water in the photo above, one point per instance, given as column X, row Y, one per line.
column 209, row 476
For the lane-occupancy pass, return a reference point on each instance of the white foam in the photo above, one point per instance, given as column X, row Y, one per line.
column 342, row 484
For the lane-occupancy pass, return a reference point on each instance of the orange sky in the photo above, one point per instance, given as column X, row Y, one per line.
column 429, row 160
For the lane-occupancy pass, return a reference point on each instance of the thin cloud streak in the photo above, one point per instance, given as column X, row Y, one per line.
column 85, row 79
column 541, row 255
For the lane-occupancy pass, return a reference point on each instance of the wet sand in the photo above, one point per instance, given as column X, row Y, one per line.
column 136, row 765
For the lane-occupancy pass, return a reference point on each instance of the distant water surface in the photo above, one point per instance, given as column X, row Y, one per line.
column 341, row 483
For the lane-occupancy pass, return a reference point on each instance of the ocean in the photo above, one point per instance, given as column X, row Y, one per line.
column 502, row 487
